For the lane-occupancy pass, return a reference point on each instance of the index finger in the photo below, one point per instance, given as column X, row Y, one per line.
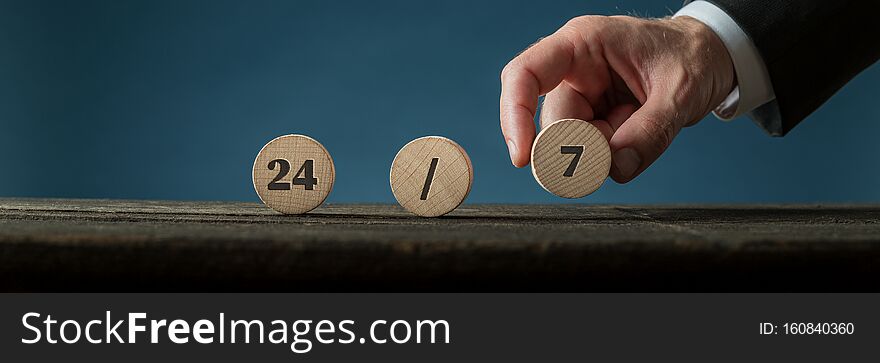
column 533, row 73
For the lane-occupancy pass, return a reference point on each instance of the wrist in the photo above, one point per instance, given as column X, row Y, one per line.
column 712, row 54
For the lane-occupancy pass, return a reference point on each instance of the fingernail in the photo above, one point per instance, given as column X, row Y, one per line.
column 626, row 161
column 511, row 148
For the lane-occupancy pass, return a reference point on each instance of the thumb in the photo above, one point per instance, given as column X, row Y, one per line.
column 640, row 140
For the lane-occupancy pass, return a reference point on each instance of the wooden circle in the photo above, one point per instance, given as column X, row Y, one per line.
column 571, row 158
column 293, row 174
column 431, row 176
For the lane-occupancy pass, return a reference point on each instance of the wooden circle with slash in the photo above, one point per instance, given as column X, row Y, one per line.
column 293, row 174
column 571, row 158
column 431, row 176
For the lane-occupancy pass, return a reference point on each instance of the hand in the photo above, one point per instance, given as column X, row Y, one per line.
column 638, row 80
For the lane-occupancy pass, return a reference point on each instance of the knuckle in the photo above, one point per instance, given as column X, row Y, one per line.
column 504, row 71
column 584, row 21
column 586, row 32
column 581, row 26
column 508, row 70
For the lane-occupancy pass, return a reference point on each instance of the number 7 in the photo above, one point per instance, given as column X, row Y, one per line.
column 577, row 151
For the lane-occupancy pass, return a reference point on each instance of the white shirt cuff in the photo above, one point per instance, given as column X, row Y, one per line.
column 753, row 81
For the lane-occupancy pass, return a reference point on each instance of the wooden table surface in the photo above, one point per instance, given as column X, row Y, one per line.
column 117, row 245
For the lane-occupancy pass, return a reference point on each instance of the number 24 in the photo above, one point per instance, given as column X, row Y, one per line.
column 308, row 180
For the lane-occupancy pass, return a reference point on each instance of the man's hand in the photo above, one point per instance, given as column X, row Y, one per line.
column 638, row 80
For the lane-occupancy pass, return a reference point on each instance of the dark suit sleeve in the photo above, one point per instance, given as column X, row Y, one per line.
column 811, row 49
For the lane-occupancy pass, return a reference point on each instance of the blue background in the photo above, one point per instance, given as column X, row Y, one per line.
column 173, row 99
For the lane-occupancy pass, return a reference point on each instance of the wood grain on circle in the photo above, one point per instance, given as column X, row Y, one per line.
column 555, row 148
column 427, row 192
column 286, row 195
